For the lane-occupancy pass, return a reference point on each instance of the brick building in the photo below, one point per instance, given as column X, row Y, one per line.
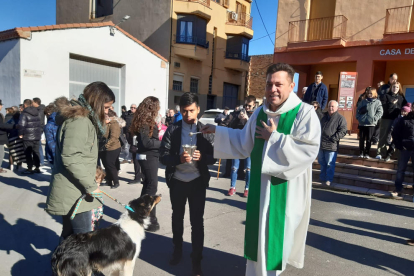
column 257, row 76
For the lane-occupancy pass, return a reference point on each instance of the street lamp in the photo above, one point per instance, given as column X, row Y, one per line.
column 112, row 29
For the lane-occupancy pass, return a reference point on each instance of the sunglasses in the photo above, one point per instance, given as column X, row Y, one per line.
column 133, row 107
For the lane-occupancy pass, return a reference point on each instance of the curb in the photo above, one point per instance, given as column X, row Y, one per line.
column 361, row 190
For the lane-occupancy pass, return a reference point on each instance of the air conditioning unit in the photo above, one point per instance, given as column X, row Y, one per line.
column 234, row 16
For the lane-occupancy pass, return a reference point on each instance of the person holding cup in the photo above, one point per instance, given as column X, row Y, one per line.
column 187, row 176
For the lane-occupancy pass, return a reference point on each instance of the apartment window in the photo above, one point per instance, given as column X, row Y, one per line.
column 178, row 82
column 237, row 48
column 230, row 95
column 191, row 29
column 194, row 85
column 103, row 7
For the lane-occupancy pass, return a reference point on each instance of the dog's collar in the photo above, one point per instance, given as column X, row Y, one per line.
column 129, row 208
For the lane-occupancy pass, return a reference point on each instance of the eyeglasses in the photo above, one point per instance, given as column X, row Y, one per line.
column 133, row 107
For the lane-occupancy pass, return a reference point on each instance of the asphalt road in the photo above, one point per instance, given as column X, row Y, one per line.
column 349, row 234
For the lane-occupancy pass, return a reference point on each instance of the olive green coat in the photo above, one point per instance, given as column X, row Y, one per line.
column 75, row 163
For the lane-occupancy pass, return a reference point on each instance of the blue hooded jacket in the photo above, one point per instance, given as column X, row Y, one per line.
column 178, row 117
column 51, row 129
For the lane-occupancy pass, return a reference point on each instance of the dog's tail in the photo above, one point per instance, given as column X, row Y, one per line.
column 68, row 262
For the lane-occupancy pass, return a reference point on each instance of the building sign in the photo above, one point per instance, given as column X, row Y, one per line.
column 33, row 73
column 396, row 52
column 347, row 86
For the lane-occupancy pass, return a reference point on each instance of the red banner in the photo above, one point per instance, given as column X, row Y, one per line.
column 346, row 93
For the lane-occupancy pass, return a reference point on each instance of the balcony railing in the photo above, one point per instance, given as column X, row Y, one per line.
column 192, row 40
column 239, row 19
column 241, row 56
column 318, row 29
column 202, row 2
column 399, row 20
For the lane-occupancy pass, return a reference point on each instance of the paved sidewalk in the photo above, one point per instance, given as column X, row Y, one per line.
column 349, row 234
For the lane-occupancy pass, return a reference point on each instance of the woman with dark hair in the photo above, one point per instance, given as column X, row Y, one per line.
column 80, row 124
column 318, row 110
column 144, row 126
column 110, row 156
column 392, row 102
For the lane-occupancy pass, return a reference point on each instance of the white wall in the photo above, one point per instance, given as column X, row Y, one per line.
column 10, row 73
column 49, row 51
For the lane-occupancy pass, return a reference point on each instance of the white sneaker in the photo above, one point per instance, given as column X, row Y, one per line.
column 361, row 156
column 367, row 156
column 379, row 157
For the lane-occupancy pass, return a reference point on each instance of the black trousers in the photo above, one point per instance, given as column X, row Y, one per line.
column 31, row 150
column 150, row 184
column 81, row 223
column 365, row 135
column 137, row 168
column 376, row 135
column 109, row 160
column 195, row 192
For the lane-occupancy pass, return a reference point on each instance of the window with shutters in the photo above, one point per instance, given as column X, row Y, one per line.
column 178, row 82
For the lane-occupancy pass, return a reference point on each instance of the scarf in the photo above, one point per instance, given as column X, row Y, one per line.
column 100, row 130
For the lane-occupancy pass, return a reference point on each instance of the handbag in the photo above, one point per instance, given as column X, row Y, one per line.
column 102, row 144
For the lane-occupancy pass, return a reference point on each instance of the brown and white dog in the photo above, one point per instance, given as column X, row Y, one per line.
column 112, row 250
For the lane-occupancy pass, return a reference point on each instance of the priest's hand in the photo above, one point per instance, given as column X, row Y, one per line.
column 208, row 128
column 265, row 131
column 197, row 155
column 185, row 157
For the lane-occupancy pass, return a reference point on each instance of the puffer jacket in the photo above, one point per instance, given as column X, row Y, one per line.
column 29, row 125
column 369, row 112
column 403, row 133
column 392, row 110
column 333, row 129
column 50, row 130
column 75, row 163
column 170, row 152
column 41, row 109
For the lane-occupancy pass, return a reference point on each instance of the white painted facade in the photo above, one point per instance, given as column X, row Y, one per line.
column 47, row 54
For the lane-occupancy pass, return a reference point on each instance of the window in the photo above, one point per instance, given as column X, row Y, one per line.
column 194, row 85
column 191, row 29
column 178, row 82
column 237, row 48
column 230, row 95
column 103, row 7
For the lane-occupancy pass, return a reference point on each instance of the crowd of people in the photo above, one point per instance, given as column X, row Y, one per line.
column 83, row 134
column 385, row 119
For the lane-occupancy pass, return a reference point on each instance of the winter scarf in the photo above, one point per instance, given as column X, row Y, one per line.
column 100, row 130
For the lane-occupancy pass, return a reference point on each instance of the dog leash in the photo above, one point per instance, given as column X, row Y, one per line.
column 99, row 197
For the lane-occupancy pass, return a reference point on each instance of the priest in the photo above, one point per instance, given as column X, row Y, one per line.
column 282, row 138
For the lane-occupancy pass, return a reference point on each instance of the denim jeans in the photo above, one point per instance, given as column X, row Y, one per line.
column 41, row 156
column 235, row 168
column 327, row 159
column 81, row 223
column 402, row 166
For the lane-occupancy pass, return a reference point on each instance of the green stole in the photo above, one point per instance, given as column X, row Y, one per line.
column 277, row 208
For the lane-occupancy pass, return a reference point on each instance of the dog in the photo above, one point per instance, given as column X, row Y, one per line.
column 112, row 250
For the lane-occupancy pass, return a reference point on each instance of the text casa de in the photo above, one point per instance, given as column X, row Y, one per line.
column 396, row 52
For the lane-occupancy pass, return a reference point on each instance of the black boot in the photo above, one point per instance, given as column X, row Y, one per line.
column 154, row 226
column 197, row 269
column 176, row 256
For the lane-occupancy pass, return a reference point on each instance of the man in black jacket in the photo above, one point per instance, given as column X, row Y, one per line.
column 187, row 176
column 333, row 128
column 30, row 129
column 37, row 103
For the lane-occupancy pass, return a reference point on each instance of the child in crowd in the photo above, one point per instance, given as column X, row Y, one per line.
column 97, row 214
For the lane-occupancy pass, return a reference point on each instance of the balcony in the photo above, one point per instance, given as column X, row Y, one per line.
column 323, row 32
column 191, row 47
column 239, row 23
column 237, row 61
column 399, row 20
column 198, row 7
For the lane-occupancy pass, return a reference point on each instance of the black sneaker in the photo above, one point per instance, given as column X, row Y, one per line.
column 176, row 256
column 37, row 171
column 115, row 186
column 28, row 172
column 135, row 181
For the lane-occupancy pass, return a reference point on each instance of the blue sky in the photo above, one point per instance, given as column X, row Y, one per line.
column 25, row 13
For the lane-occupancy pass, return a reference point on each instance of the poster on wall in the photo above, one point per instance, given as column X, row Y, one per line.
column 346, row 93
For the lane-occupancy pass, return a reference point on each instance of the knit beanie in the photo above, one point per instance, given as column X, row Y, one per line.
column 407, row 107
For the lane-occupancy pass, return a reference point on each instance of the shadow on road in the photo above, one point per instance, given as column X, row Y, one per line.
column 24, row 184
column 363, row 202
column 156, row 250
column 360, row 254
column 26, row 238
